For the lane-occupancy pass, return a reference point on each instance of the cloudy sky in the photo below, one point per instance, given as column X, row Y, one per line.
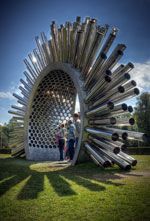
column 22, row 20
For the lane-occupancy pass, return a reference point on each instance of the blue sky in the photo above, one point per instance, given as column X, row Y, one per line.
column 21, row 21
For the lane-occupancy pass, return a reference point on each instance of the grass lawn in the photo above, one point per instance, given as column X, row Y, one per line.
column 40, row 191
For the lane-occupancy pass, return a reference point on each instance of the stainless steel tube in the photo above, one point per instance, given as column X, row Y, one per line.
column 105, row 146
column 101, row 109
column 103, row 133
column 97, row 156
column 128, row 158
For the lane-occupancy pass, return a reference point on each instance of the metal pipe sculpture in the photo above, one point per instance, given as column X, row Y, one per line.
column 75, row 60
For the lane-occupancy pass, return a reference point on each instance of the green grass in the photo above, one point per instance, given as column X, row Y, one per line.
column 38, row 191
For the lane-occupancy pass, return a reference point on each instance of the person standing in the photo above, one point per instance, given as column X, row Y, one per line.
column 61, row 137
column 71, row 138
column 77, row 123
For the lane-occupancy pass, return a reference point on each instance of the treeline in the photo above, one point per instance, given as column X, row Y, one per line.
column 141, row 115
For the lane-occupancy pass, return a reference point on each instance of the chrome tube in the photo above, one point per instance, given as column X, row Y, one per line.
column 80, row 45
column 45, row 47
column 127, row 95
column 26, row 85
column 103, row 133
column 125, row 122
column 18, row 113
column 19, row 118
column 118, row 81
column 128, row 158
column 116, row 159
column 77, row 47
column 113, row 58
column 109, row 41
column 76, row 27
column 30, row 69
column 123, row 69
column 18, row 108
column 29, row 79
column 102, row 109
column 118, row 110
column 104, row 121
column 128, row 86
column 94, row 69
column 98, row 87
column 90, row 35
column 34, row 63
column 99, row 158
column 117, row 143
column 94, row 49
column 122, row 133
column 109, row 96
column 24, row 92
column 118, row 70
column 40, row 48
column 105, row 146
column 38, row 60
column 54, row 33
column 65, row 53
column 20, row 98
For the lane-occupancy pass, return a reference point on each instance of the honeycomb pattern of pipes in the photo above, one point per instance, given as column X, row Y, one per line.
column 53, row 103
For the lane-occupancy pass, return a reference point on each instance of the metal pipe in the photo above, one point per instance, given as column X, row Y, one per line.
column 94, row 69
column 38, row 60
column 76, row 26
column 54, row 33
column 128, row 86
column 24, row 92
column 18, row 108
column 127, row 95
column 69, row 28
column 46, row 48
column 98, row 87
column 116, row 159
column 113, row 58
column 16, row 113
column 102, row 144
column 122, row 133
column 118, row 81
column 117, row 143
column 97, row 156
column 34, row 63
column 40, row 48
column 89, row 41
column 27, row 86
column 30, row 69
column 109, row 96
column 123, row 69
column 102, row 109
column 104, row 121
column 28, row 78
column 94, row 49
column 128, row 158
column 116, row 111
column 20, row 98
column 102, row 133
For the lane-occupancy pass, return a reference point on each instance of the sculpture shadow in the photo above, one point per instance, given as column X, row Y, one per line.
column 89, row 176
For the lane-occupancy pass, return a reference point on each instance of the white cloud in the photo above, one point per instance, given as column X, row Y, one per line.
column 141, row 74
column 9, row 94
column 6, row 95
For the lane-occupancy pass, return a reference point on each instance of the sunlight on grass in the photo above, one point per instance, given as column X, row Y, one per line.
column 37, row 191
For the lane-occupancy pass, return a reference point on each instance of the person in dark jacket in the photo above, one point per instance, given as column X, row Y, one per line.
column 61, row 138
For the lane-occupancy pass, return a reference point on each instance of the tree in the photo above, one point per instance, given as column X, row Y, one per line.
column 142, row 113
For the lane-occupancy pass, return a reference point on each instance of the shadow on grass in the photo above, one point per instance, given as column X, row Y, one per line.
column 13, row 171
